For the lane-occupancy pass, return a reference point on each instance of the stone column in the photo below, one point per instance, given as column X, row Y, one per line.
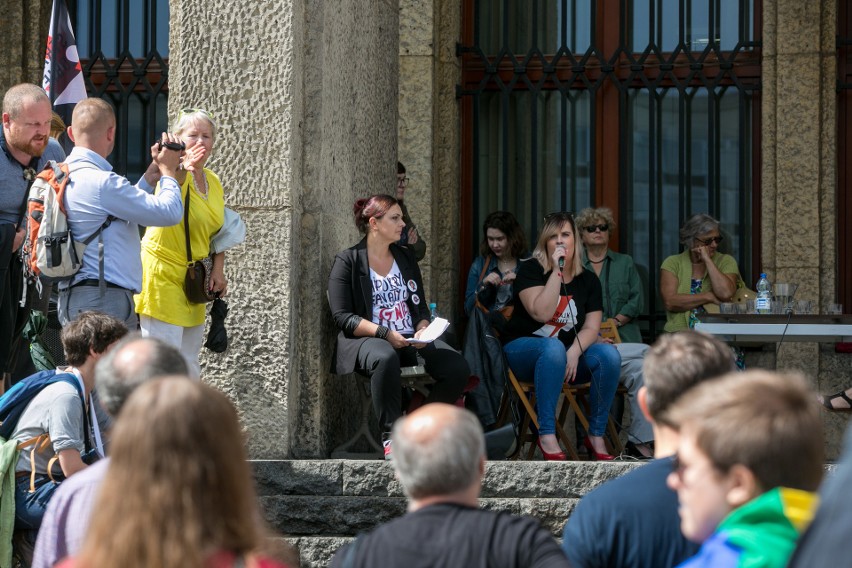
column 799, row 145
column 305, row 94
column 429, row 137
column 23, row 40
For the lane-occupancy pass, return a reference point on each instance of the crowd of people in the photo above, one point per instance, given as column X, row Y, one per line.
column 178, row 199
column 739, row 460
column 735, row 459
column 178, row 460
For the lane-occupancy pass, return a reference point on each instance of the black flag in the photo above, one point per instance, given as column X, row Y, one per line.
column 63, row 75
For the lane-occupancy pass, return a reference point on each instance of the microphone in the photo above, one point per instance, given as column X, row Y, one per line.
column 561, row 263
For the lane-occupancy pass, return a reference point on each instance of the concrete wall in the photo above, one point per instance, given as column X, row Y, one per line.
column 429, row 136
column 23, row 41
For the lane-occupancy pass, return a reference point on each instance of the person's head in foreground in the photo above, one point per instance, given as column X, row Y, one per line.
column 439, row 455
column 132, row 362
column 743, row 435
column 677, row 362
column 179, row 490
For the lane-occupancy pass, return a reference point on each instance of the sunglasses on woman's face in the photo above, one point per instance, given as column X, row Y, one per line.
column 186, row 111
column 594, row 228
column 711, row 240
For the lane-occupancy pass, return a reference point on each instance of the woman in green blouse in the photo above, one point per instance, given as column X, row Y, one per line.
column 623, row 297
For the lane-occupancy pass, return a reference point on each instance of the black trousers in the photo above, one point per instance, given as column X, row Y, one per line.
column 378, row 360
column 12, row 315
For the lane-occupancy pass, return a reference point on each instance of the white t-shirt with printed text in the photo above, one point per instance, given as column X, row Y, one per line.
column 389, row 301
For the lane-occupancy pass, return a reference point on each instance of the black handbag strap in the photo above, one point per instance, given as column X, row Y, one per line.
column 186, row 226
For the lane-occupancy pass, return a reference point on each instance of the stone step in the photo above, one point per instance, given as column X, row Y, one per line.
column 318, row 505
column 300, row 515
column 365, row 478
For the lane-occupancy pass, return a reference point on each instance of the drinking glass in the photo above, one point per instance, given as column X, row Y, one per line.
column 803, row 307
column 834, row 309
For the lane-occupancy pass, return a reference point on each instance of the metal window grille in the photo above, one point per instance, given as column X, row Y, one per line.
column 123, row 46
column 649, row 107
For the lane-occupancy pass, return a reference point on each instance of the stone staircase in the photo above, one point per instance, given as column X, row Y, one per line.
column 318, row 505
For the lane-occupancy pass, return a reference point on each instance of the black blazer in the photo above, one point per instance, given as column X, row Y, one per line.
column 350, row 296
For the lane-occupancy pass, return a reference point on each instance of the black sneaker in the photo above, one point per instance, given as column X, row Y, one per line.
column 630, row 450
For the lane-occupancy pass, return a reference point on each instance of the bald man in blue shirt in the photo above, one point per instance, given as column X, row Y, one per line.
column 95, row 194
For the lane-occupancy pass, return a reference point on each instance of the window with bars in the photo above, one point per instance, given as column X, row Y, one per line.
column 649, row 107
column 124, row 49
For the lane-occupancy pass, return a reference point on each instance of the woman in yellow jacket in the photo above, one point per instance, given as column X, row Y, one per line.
column 164, row 310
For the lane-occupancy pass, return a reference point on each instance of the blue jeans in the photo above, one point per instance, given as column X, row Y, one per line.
column 30, row 507
column 543, row 360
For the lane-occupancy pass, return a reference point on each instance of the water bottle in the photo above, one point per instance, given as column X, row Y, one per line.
column 433, row 311
column 763, row 304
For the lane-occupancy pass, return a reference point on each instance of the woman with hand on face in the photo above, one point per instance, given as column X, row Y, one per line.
column 376, row 296
column 552, row 336
column 698, row 276
column 492, row 273
column 164, row 310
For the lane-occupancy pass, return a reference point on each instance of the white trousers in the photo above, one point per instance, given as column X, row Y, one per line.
column 187, row 340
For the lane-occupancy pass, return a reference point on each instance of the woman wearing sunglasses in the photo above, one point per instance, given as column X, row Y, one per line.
column 164, row 310
column 623, row 300
column 698, row 276
column 552, row 336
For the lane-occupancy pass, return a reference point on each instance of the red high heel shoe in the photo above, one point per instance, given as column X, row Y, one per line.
column 558, row 456
column 594, row 454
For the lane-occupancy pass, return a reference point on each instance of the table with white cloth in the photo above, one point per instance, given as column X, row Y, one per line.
column 756, row 329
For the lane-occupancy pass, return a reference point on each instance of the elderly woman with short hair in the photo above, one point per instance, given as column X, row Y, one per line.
column 163, row 308
column 623, row 298
column 623, row 301
column 698, row 276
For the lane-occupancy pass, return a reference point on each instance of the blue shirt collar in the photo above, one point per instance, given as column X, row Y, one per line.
column 84, row 154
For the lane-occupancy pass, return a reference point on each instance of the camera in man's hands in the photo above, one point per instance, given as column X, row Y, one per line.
column 176, row 146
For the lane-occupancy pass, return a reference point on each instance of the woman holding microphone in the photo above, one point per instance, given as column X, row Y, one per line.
column 552, row 336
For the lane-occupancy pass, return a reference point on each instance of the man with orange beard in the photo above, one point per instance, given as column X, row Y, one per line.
column 27, row 146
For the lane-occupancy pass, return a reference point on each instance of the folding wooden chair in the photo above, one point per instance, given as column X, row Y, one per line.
column 577, row 398
column 610, row 331
column 525, row 394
